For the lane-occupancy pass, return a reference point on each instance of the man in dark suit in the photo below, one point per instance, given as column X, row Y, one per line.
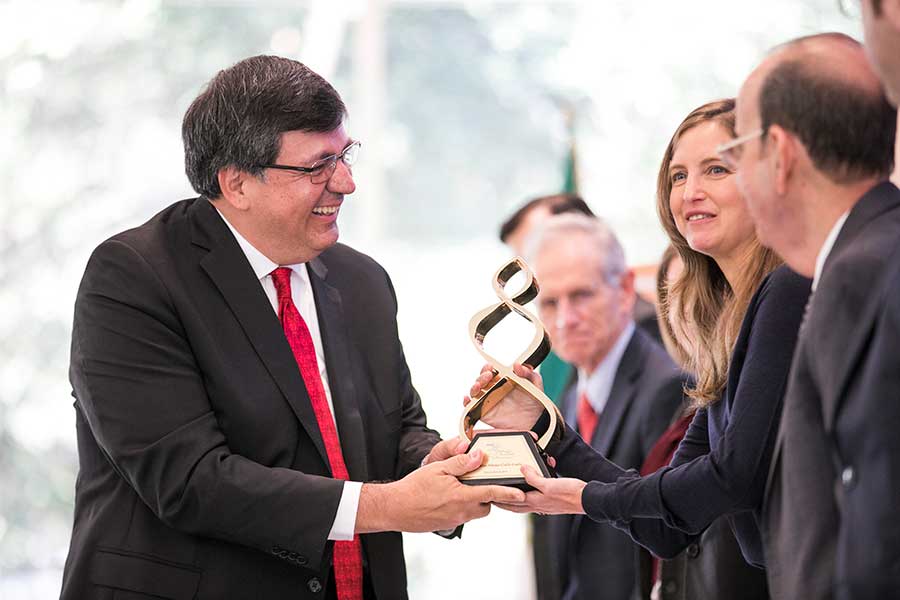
column 814, row 152
column 237, row 376
column 623, row 395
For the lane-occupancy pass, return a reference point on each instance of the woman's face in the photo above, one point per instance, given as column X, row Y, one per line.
column 705, row 203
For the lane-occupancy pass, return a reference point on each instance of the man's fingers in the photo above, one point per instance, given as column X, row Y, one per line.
column 533, row 478
column 516, row 508
column 502, row 494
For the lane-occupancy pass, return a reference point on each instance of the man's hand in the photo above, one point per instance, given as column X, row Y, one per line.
column 560, row 496
column 430, row 498
column 517, row 411
column 445, row 449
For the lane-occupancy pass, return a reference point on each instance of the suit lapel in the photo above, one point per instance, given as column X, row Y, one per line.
column 857, row 300
column 229, row 270
column 620, row 396
column 876, row 202
column 332, row 326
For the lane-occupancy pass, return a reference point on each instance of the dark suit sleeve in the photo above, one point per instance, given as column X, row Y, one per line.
column 696, row 440
column 142, row 392
column 732, row 476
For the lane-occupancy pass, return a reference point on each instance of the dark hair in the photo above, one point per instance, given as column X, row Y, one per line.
column 240, row 116
column 847, row 130
column 557, row 205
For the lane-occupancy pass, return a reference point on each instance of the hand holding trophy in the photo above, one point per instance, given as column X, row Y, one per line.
column 507, row 451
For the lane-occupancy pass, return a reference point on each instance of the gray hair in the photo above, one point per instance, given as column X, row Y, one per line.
column 603, row 241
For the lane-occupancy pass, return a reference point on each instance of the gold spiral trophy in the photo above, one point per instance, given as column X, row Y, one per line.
column 507, row 451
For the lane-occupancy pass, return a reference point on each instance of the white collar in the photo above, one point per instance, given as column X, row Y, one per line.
column 825, row 250
column 261, row 264
column 598, row 383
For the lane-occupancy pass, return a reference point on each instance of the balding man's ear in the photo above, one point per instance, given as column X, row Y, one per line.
column 784, row 155
column 231, row 182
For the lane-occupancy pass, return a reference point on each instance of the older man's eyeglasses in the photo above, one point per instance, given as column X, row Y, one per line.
column 322, row 170
column 730, row 152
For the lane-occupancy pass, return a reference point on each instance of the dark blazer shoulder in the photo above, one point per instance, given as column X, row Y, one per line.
column 656, row 368
column 783, row 283
column 347, row 263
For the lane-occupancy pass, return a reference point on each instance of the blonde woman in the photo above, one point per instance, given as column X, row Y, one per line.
column 741, row 313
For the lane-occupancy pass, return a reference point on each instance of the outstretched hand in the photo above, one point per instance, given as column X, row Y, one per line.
column 552, row 496
column 431, row 498
column 517, row 411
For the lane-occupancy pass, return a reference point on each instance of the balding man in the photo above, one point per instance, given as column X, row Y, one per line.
column 813, row 156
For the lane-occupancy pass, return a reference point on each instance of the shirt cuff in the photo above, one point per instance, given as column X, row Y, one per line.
column 344, row 525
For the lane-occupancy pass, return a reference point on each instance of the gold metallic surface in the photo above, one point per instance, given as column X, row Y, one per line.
column 504, row 379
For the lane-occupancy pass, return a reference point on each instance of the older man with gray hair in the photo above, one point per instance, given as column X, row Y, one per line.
column 625, row 391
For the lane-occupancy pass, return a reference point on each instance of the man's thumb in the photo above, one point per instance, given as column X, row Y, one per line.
column 463, row 463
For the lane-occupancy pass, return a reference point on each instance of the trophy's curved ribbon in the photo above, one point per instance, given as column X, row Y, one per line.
column 505, row 380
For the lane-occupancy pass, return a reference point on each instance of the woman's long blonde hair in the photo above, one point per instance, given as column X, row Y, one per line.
column 701, row 310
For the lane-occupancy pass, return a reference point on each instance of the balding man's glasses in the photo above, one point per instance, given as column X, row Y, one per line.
column 322, row 170
column 730, row 152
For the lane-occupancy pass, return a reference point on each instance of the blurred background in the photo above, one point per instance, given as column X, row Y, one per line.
column 465, row 110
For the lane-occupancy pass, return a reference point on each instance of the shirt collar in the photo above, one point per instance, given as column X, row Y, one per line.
column 261, row 264
column 598, row 383
column 825, row 250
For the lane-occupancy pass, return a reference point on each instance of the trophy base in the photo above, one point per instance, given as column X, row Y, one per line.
column 506, row 452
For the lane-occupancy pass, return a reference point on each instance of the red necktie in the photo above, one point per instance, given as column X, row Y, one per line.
column 348, row 572
column 587, row 418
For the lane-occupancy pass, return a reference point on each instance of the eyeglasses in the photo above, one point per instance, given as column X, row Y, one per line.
column 730, row 152
column 322, row 170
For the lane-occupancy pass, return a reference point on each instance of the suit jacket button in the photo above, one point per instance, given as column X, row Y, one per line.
column 314, row 585
column 693, row 551
column 847, row 476
column 670, row 587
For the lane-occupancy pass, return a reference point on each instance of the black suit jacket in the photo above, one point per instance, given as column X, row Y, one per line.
column 711, row 567
column 202, row 470
column 833, row 498
column 597, row 561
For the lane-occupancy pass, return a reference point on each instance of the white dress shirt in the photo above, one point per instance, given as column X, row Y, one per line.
column 302, row 295
column 598, row 384
column 825, row 250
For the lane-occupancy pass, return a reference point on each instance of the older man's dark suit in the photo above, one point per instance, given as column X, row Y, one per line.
column 833, row 500
column 202, row 470
column 646, row 391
